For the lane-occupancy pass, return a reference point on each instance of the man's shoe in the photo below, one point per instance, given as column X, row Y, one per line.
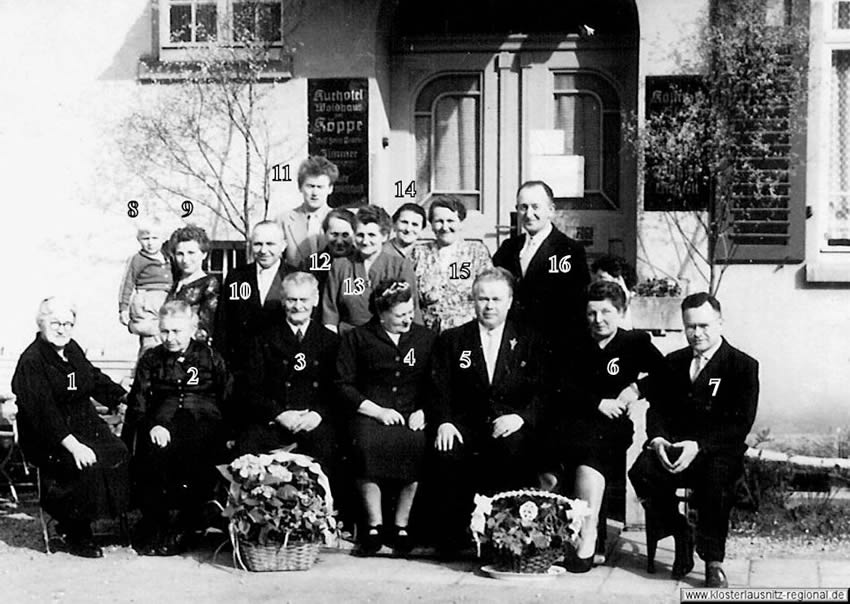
column 577, row 565
column 84, row 548
column 714, row 575
column 683, row 563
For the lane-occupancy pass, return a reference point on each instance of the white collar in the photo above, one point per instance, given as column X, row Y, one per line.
column 540, row 235
column 710, row 352
column 272, row 269
column 496, row 332
column 295, row 328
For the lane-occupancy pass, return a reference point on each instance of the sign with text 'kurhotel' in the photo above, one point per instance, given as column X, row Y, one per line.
column 338, row 111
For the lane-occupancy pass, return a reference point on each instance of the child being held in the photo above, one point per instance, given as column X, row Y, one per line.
column 146, row 284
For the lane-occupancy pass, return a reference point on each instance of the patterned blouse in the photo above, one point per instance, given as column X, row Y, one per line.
column 202, row 295
column 444, row 280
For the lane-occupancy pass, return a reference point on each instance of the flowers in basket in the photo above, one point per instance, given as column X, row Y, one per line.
column 278, row 499
column 527, row 530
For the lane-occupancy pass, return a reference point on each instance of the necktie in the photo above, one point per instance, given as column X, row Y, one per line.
column 299, row 335
column 697, row 364
column 491, row 354
column 525, row 255
column 264, row 283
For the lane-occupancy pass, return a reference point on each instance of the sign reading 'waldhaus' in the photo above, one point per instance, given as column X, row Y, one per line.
column 339, row 129
column 666, row 96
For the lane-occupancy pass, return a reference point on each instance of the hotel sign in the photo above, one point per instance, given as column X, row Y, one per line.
column 338, row 113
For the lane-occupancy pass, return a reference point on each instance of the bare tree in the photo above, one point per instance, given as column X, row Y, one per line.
column 203, row 134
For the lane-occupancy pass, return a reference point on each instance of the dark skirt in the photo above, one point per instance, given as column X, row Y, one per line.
column 386, row 452
column 597, row 443
column 99, row 491
column 182, row 475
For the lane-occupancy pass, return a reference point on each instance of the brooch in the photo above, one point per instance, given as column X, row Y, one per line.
column 512, row 342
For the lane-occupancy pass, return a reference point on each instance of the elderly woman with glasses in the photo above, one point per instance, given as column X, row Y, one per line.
column 83, row 465
column 382, row 374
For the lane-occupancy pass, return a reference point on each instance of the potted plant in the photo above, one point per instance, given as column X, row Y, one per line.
column 656, row 305
column 280, row 510
column 526, row 531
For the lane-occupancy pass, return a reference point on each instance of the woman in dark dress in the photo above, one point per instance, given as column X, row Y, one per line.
column 382, row 373
column 177, row 401
column 190, row 246
column 599, row 430
column 83, row 465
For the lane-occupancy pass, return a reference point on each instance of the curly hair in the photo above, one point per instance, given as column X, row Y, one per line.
column 373, row 214
column 599, row 291
column 190, row 233
column 317, row 165
column 388, row 293
column 450, row 202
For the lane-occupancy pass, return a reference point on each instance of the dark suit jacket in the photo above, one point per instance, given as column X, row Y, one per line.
column 717, row 410
column 283, row 374
column 463, row 395
column 550, row 302
column 238, row 321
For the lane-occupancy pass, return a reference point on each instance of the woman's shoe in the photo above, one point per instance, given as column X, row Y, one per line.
column 371, row 541
column 574, row 564
column 402, row 543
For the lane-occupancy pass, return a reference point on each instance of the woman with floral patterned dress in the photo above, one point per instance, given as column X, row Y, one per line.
column 445, row 268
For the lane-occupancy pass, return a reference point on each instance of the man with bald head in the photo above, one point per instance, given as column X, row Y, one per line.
column 252, row 296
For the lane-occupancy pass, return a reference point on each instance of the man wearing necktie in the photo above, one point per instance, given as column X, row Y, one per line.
column 303, row 225
column 252, row 296
column 696, row 426
column 550, row 268
column 287, row 391
column 489, row 382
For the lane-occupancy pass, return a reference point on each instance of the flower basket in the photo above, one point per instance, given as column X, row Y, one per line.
column 526, row 531
column 293, row 556
column 280, row 510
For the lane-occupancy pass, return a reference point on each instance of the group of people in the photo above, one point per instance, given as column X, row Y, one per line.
column 393, row 362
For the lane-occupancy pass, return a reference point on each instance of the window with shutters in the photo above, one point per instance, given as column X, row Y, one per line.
column 448, row 138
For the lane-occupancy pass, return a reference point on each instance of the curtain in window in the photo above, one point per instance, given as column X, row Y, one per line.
column 456, row 143
column 838, row 225
column 578, row 115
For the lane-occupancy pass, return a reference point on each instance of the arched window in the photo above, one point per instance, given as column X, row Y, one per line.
column 448, row 138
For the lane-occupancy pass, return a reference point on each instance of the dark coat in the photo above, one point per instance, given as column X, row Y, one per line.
column 370, row 366
column 284, row 374
column 463, row 395
column 238, row 322
column 552, row 302
column 49, row 410
column 53, row 405
column 600, row 373
column 717, row 410
column 167, row 383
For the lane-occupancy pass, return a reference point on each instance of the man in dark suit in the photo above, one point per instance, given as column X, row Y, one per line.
column 698, row 421
column 252, row 296
column 488, row 382
column 338, row 227
column 550, row 268
column 288, row 387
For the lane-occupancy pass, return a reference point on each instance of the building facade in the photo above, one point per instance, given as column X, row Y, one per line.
column 414, row 99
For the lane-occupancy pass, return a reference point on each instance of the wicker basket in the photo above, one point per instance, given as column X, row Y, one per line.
column 293, row 556
column 538, row 562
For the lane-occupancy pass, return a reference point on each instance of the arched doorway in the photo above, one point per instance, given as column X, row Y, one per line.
column 486, row 95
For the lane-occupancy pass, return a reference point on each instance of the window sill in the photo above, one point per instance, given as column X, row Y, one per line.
column 829, row 271
column 150, row 70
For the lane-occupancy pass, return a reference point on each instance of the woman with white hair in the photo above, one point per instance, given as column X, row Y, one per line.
column 83, row 465
column 177, row 404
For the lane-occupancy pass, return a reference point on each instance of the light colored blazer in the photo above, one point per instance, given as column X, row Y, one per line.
column 298, row 245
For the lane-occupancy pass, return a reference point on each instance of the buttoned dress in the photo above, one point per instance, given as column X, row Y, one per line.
column 370, row 366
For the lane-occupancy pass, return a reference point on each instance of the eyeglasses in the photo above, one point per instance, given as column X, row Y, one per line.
column 55, row 325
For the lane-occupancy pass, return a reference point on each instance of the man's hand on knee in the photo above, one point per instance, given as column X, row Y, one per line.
column 659, row 446
column 505, row 425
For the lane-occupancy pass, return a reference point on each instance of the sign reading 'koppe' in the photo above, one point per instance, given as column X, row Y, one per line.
column 338, row 112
